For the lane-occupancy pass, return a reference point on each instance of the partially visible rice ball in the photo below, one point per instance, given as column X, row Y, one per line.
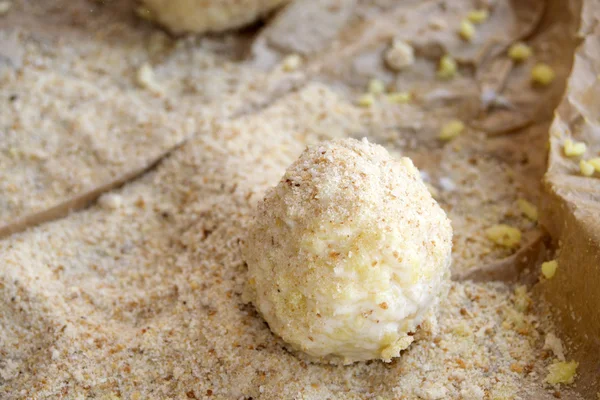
column 348, row 253
column 201, row 16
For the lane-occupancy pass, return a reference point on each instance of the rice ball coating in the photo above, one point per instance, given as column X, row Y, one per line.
column 348, row 253
column 201, row 16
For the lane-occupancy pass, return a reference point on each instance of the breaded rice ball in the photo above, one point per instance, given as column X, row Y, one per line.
column 201, row 16
column 348, row 253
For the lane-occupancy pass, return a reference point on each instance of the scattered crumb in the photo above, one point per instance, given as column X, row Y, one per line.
column 451, row 130
column 376, row 86
column 447, row 68
column 595, row 162
column 562, row 372
column 145, row 79
column 399, row 97
column 466, row 30
column 400, row 55
column 549, row 269
column 574, row 149
column 542, row 74
column 552, row 342
column 437, row 23
column 528, row 209
column 586, row 168
column 478, row 16
column 366, row 100
column 519, row 52
column 504, row 235
column 110, row 201
column 291, row 62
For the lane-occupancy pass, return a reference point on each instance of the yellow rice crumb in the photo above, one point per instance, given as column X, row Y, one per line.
column 447, row 68
column 451, row 130
column 586, row 168
column 478, row 16
column 542, row 74
column 504, row 235
column 366, row 100
column 549, row 269
column 467, row 30
column 528, row 209
column 376, row 86
column 399, row 97
column 562, row 372
column 595, row 162
column 574, row 149
column 519, row 52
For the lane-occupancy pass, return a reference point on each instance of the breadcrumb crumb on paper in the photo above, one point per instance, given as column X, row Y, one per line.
column 400, row 55
column 146, row 79
column 291, row 63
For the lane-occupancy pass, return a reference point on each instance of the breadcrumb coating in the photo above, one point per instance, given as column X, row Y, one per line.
column 348, row 253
